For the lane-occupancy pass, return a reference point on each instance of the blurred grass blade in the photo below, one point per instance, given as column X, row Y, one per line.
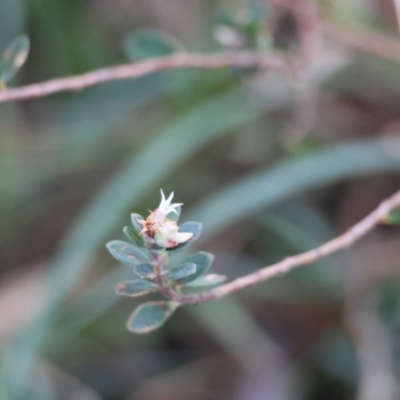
column 253, row 193
column 14, row 57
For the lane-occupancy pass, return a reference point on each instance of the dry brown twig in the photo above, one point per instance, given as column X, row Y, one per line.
column 342, row 242
column 147, row 67
column 397, row 8
column 374, row 43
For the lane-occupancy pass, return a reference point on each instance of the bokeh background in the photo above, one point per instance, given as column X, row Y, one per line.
column 271, row 168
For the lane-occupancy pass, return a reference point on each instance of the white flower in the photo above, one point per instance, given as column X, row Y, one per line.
column 160, row 230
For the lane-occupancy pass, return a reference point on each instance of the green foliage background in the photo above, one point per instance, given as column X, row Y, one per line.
column 74, row 166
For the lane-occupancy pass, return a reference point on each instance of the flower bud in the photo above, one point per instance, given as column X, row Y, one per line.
column 158, row 230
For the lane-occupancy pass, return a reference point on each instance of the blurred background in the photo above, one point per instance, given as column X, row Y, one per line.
column 271, row 164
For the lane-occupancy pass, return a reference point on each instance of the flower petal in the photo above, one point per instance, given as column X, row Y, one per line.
column 162, row 198
column 166, row 243
column 171, row 196
column 171, row 208
column 181, row 237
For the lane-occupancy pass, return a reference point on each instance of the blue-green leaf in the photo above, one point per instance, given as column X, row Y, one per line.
column 181, row 271
column 14, row 57
column 192, row 227
column 150, row 316
column 135, row 288
column 255, row 192
column 126, row 253
column 132, row 235
column 203, row 261
column 145, row 271
column 135, row 222
column 207, row 280
column 146, row 43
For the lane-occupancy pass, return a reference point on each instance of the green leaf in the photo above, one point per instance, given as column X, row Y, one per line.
column 150, row 316
column 174, row 216
column 132, row 235
column 135, row 288
column 126, row 253
column 393, row 218
column 207, row 280
column 192, row 227
column 145, row 271
column 146, row 43
column 181, row 271
column 135, row 222
column 203, row 261
column 14, row 57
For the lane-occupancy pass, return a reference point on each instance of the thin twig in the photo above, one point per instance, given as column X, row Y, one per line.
column 397, row 7
column 375, row 43
column 147, row 67
column 340, row 243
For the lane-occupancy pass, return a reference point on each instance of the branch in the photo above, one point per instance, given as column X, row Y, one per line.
column 147, row 67
column 397, row 8
column 375, row 43
column 340, row 243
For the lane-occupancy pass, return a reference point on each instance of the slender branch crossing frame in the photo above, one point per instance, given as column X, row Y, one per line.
column 149, row 66
column 377, row 44
column 342, row 242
